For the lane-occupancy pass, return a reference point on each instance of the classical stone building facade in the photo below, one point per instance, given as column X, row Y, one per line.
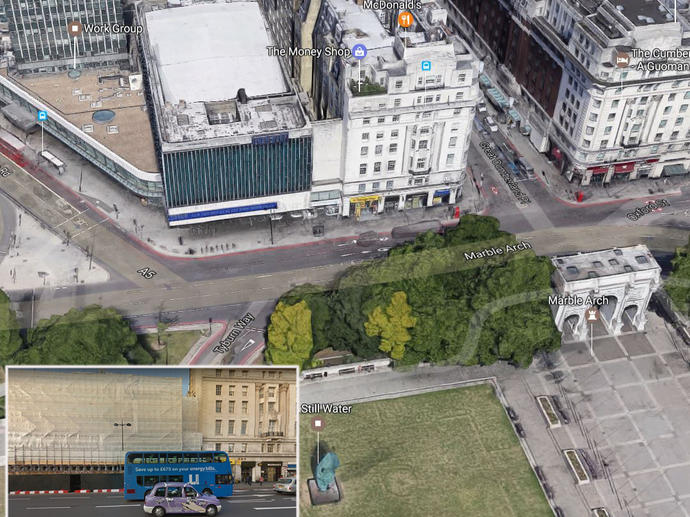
column 251, row 413
column 618, row 282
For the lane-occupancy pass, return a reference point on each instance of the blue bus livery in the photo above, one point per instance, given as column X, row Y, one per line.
column 210, row 472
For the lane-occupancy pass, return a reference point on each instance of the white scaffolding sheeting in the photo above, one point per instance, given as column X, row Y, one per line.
column 68, row 416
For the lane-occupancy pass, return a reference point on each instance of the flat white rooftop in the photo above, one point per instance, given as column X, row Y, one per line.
column 206, row 52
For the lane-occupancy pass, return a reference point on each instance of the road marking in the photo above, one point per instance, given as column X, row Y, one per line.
column 347, row 254
column 68, row 220
column 115, row 505
column 49, row 507
column 263, row 276
column 365, row 251
column 277, row 508
column 90, row 227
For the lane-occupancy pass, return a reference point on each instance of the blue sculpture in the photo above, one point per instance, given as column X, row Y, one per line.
column 325, row 471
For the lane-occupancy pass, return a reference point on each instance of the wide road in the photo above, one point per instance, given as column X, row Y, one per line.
column 247, row 503
column 227, row 288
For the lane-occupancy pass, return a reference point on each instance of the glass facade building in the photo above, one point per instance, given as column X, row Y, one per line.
column 229, row 173
column 41, row 43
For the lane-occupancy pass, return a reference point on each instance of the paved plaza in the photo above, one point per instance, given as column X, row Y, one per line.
column 631, row 403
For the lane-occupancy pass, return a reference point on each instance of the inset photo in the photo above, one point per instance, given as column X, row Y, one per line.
column 123, row 441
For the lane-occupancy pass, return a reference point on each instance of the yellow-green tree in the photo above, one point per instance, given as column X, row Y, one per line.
column 289, row 335
column 391, row 325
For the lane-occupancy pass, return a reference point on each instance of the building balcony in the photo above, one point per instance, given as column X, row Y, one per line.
column 272, row 434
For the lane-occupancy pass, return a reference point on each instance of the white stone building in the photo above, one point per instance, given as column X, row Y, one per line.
column 619, row 282
column 406, row 123
column 619, row 122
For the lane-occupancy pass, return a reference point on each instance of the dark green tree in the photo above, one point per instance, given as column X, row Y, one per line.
column 92, row 335
column 10, row 340
column 678, row 283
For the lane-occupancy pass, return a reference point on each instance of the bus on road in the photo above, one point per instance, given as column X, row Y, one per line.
column 210, row 472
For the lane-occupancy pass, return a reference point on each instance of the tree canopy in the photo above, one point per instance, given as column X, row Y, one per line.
column 290, row 338
column 678, row 284
column 427, row 301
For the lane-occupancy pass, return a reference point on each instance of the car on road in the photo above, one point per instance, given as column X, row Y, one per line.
column 491, row 124
column 520, row 431
column 481, row 107
column 511, row 413
column 286, row 486
column 176, row 498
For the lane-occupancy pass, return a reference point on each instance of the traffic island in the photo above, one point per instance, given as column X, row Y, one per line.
column 576, row 466
column 548, row 411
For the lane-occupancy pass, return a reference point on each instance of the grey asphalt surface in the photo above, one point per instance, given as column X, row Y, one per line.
column 245, row 503
column 222, row 287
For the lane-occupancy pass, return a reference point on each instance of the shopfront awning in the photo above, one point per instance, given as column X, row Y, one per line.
column 496, row 98
column 676, row 169
column 484, row 79
column 513, row 114
column 598, row 170
column 440, row 193
column 621, row 168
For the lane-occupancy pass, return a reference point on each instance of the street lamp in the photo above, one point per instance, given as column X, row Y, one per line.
column 122, row 426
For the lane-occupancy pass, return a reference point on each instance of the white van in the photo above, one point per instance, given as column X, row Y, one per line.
column 491, row 124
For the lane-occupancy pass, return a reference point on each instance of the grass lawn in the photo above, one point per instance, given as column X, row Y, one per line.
column 450, row 453
column 179, row 342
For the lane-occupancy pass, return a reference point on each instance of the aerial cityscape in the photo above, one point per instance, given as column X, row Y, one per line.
column 345, row 257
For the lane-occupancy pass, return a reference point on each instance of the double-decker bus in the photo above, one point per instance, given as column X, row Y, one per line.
column 210, row 472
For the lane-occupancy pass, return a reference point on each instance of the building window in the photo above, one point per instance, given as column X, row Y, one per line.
column 375, row 185
column 429, row 98
column 362, row 168
column 219, row 373
column 683, row 108
column 231, row 427
column 607, row 130
column 245, row 406
column 219, row 423
column 365, row 136
column 391, row 165
column 364, row 151
column 674, row 135
column 231, row 447
column 377, row 167
column 396, row 118
column 271, row 406
column 393, row 148
column 218, row 446
column 398, row 84
column 269, row 447
column 379, row 135
column 663, row 123
column 593, row 117
column 658, row 136
column 362, row 187
column 231, row 406
column 636, row 128
column 389, row 185
column 421, row 162
column 667, row 110
column 218, row 406
column 586, row 143
column 261, row 408
column 589, row 130
column 394, row 133
column 244, row 447
column 615, row 103
column 423, row 144
column 679, row 121
column 453, row 141
column 603, row 144
column 396, row 103
column 231, row 391
column 458, row 96
column 612, row 116
column 450, row 159
column 381, row 120
column 219, row 390
column 378, row 150
column 596, row 103
column 243, row 428
column 366, row 121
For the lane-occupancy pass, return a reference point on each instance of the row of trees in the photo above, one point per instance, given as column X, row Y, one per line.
column 426, row 302
column 678, row 284
column 93, row 335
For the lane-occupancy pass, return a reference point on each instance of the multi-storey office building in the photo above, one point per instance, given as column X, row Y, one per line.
column 223, row 156
column 406, row 108
column 252, row 415
column 41, row 42
column 599, row 120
